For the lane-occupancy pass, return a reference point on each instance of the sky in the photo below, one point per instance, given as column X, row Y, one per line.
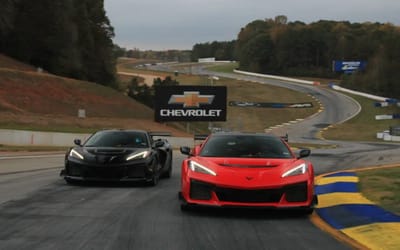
column 180, row 24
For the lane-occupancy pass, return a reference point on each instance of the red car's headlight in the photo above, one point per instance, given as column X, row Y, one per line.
column 197, row 167
column 298, row 170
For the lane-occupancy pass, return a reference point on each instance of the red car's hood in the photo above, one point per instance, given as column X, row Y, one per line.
column 249, row 172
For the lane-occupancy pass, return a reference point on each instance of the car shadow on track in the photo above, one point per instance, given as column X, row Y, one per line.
column 247, row 213
column 109, row 184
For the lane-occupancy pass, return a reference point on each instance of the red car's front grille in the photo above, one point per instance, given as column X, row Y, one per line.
column 200, row 190
column 297, row 192
column 251, row 196
column 294, row 193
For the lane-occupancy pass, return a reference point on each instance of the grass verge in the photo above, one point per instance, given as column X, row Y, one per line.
column 363, row 127
column 225, row 67
column 382, row 186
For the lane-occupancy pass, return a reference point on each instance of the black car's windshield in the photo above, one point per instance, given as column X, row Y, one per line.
column 245, row 146
column 118, row 139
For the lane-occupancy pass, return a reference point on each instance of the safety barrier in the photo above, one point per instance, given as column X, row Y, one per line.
column 40, row 138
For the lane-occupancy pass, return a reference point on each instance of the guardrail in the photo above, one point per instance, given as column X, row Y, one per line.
column 369, row 96
column 40, row 138
column 277, row 77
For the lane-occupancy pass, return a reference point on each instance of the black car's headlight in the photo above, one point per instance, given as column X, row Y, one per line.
column 197, row 167
column 75, row 154
column 140, row 155
column 297, row 170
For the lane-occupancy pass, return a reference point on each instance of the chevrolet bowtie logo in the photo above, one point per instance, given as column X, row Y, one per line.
column 191, row 99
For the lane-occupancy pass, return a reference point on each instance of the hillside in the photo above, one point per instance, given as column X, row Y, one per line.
column 30, row 99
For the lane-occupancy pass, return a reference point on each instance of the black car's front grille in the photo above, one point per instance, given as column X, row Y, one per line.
column 137, row 172
column 74, row 170
column 293, row 193
column 104, row 172
column 107, row 172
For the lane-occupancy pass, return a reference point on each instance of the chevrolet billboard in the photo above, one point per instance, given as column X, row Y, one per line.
column 190, row 103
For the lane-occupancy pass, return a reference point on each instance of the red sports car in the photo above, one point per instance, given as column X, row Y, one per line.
column 246, row 170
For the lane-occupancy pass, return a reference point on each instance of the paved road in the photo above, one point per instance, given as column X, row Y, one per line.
column 38, row 210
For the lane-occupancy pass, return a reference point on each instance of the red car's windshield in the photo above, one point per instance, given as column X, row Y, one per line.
column 245, row 146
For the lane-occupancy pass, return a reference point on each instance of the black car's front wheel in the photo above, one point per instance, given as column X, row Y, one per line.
column 168, row 171
column 156, row 174
column 70, row 181
column 154, row 180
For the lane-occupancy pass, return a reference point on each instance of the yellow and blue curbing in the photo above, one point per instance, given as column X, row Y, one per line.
column 343, row 208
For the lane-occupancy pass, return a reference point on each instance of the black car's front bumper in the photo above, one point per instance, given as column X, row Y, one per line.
column 127, row 171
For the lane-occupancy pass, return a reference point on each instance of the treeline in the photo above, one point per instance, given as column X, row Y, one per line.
column 276, row 46
column 223, row 51
column 165, row 55
column 144, row 93
column 70, row 38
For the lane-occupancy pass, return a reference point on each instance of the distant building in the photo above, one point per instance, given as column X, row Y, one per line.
column 204, row 60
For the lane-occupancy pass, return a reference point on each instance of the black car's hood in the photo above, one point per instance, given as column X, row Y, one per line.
column 106, row 155
column 109, row 151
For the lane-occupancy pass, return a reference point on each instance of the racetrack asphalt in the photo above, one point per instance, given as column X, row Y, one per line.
column 6, row 168
column 342, row 210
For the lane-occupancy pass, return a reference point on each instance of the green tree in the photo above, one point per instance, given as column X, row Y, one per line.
column 141, row 92
column 144, row 93
column 71, row 38
column 8, row 12
column 95, row 42
column 168, row 81
column 219, row 50
column 258, row 55
column 42, row 35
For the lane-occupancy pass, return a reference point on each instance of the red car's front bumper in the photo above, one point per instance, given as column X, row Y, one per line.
column 289, row 195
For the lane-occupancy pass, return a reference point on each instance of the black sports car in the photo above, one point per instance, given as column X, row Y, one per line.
column 119, row 155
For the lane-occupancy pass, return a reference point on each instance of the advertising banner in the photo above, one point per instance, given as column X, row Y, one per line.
column 349, row 67
column 271, row 104
column 190, row 103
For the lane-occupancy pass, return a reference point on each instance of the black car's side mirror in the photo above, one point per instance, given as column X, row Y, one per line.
column 158, row 144
column 78, row 142
column 304, row 153
column 185, row 150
